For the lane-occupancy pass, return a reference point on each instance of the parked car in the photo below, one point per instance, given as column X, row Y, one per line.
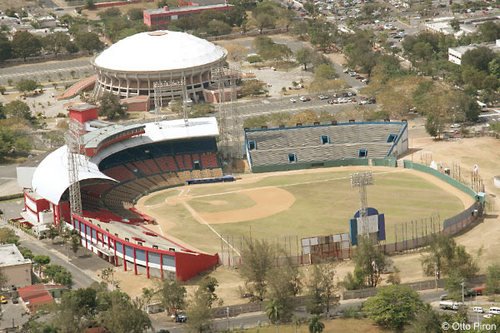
column 353, row 74
column 3, row 300
column 15, row 300
column 322, row 97
column 293, row 100
column 180, row 318
column 305, row 98
column 478, row 309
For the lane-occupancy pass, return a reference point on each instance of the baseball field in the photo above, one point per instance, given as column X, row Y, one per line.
column 295, row 204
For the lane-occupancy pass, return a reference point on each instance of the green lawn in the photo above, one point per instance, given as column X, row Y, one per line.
column 322, row 207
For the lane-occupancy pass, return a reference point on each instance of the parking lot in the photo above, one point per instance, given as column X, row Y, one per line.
column 13, row 315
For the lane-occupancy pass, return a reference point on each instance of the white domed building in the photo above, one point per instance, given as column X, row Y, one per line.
column 130, row 67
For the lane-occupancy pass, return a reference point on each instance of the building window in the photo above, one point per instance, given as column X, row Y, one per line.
column 362, row 153
column 391, row 138
column 252, row 145
column 292, row 158
column 325, row 139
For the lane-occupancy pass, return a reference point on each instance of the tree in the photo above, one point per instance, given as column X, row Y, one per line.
column 324, row 72
column 283, row 285
column 207, row 288
column 8, row 236
column 3, row 90
column 478, row 58
column 110, row 106
column 453, row 284
column 304, row 56
column 199, row 311
column 489, row 31
column 434, row 125
column 444, row 256
column 493, row 279
column 90, row 4
column 135, row 14
column 18, row 109
column 321, row 289
column 58, row 274
column 40, row 261
column 218, row 27
column 88, row 41
column 75, row 242
column 121, row 315
column 315, row 325
column 27, row 85
column 172, row 295
column 455, row 24
column 257, row 258
column 56, row 42
column 26, row 45
column 426, row 320
column 5, row 47
column 369, row 264
column 252, row 88
column 3, row 279
column 393, row 306
column 274, row 311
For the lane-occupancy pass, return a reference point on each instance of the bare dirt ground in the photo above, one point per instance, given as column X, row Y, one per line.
column 269, row 201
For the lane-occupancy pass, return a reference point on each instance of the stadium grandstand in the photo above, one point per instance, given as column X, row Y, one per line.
column 318, row 145
column 118, row 164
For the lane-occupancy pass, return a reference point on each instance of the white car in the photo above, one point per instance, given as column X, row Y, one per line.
column 293, row 100
column 304, row 99
column 478, row 309
column 488, row 315
column 455, row 126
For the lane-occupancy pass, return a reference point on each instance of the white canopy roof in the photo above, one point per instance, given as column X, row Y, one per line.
column 159, row 51
column 51, row 179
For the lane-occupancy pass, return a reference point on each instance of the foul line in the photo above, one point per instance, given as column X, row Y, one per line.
column 289, row 185
column 202, row 221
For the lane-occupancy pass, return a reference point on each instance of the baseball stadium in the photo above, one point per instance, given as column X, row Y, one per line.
column 153, row 197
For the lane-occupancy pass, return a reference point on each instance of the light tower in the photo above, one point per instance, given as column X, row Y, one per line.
column 73, row 142
column 361, row 180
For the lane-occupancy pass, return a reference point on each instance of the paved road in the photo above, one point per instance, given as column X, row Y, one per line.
column 81, row 279
column 55, row 70
column 253, row 319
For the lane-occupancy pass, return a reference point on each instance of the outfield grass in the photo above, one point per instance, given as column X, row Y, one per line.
column 331, row 326
column 324, row 204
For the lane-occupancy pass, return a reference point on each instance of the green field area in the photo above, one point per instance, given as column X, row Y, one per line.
column 324, row 203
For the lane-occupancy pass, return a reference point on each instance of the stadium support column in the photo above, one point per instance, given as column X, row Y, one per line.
column 124, row 257
column 135, row 262
column 161, row 265
column 147, row 263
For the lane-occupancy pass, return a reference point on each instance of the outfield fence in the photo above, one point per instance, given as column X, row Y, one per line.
column 407, row 236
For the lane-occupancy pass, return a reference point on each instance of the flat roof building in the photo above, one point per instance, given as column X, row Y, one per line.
column 14, row 267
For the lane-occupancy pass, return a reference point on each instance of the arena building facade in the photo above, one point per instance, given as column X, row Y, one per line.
column 117, row 165
column 131, row 67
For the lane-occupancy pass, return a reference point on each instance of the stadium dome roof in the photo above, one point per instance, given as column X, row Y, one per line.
column 160, row 50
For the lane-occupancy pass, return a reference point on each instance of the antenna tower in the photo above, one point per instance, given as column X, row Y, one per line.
column 361, row 180
column 74, row 144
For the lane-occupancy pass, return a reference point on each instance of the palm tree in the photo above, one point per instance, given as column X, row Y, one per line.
column 315, row 325
column 273, row 311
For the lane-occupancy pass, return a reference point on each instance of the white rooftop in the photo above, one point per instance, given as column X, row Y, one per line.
column 50, row 178
column 160, row 50
column 10, row 256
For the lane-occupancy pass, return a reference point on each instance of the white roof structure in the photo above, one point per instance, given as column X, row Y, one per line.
column 10, row 256
column 160, row 50
column 50, row 178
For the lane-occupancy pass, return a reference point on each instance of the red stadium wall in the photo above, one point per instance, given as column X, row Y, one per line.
column 190, row 265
